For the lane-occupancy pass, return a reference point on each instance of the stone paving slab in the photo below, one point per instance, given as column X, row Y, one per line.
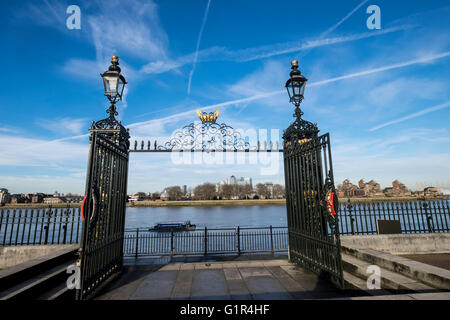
column 247, row 272
column 183, row 285
column 238, row 290
column 232, row 274
column 209, row 284
column 267, row 288
column 156, row 285
column 271, row 279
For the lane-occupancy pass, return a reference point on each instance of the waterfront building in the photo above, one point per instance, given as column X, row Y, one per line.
column 5, row 197
column 17, row 198
column 37, row 198
column 54, row 200
column 164, row 196
column 431, row 191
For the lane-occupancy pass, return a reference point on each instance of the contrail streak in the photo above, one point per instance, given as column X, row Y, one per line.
column 385, row 68
column 198, row 46
column 272, row 93
column 343, row 19
column 320, row 42
column 325, row 33
column 413, row 115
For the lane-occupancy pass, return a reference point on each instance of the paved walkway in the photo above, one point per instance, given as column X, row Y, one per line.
column 272, row 279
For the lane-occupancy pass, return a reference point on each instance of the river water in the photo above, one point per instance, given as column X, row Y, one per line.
column 209, row 216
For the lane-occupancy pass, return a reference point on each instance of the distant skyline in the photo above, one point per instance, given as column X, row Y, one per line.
column 382, row 94
column 419, row 186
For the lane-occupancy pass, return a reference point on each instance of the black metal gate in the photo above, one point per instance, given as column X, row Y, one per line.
column 103, row 209
column 311, row 201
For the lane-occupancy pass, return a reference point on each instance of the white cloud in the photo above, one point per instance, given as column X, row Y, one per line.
column 191, row 73
column 21, row 151
column 256, row 53
column 264, row 80
column 74, row 126
column 403, row 90
column 413, row 115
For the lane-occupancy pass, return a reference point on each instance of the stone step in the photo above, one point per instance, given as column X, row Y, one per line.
column 429, row 275
column 388, row 280
column 38, row 284
column 352, row 282
column 16, row 274
column 60, row 292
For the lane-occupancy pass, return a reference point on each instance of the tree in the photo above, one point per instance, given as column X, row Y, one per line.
column 175, row 193
column 155, row 195
column 226, row 191
column 141, row 195
column 262, row 190
column 206, row 191
column 278, row 191
column 247, row 191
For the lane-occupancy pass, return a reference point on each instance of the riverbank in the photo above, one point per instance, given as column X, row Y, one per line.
column 202, row 203
column 218, row 202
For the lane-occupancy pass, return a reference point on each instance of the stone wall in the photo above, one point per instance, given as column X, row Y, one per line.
column 402, row 243
column 13, row 255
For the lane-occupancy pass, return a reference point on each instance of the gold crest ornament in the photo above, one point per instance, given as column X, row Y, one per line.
column 208, row 117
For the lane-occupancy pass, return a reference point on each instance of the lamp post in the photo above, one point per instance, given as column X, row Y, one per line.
column 296, row 84
column 300, row 129
column 114, row 84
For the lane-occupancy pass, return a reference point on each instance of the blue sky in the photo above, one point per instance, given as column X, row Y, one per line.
column 382, row 94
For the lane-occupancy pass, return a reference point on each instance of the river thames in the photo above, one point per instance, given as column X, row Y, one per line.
column 209, row 216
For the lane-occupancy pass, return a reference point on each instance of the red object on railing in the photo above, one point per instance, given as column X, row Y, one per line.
column 330, row 203
column 82, row 207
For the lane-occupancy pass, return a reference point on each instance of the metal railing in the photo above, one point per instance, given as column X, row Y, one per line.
column 34, row 226
column 205, row 241
column 420, row 216
column 62, row 225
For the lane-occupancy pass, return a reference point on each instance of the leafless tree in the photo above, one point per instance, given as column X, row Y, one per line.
column 155, row 195
column 227, row 191
column 262, row 190
column 278, row 191
column 175, row 193
column 206, row 191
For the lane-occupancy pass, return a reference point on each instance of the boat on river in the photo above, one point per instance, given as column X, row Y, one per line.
column 173, row 226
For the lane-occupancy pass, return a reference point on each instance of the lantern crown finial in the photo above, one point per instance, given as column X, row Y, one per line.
column 294, row 64
column 114, row 64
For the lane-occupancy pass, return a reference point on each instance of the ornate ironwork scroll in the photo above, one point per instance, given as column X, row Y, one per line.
column 206, row 136
column 112, row 128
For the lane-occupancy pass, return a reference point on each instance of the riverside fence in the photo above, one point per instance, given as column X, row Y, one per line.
column 62, row 225
column 34, row 226
column 360, row 218
column 205, row 241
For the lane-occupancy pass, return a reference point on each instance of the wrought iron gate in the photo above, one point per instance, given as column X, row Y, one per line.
column 103, row 209
column 311, row 201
